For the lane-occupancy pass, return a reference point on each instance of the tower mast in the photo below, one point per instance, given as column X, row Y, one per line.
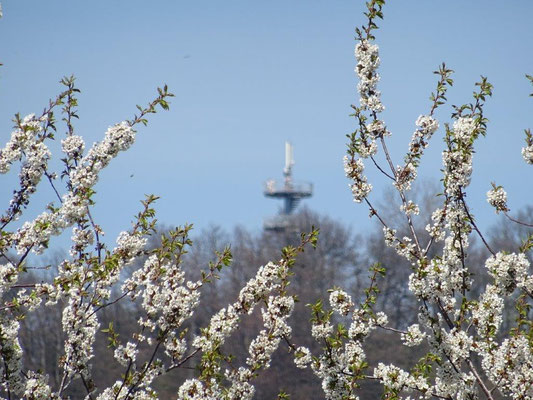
column 289, row 191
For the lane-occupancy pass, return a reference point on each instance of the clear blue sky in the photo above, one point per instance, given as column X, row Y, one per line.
column 249, row 75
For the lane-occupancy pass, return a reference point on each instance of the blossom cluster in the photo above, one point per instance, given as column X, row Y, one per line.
column 268, row 279
column 340, row 301
column 11, row 354
column 406, row 174
column 73, row 146
column 527, row 150
column 414, row 336
column 511, row 366
column 527, row 153
column 24, row 141
column 26, row 144
column 367, row 55
column 35, row 235
column 497, row 198
column 510, row 271
column 404, row 247
column 262, row 347
column 342, row 360
column 410, row 208
column 354, row 171
column 117, row 138
column 80, row 324
column 397, row 380
column 458, row 159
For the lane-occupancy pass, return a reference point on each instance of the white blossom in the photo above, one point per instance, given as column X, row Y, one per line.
column 73, row 146
column 410, row 208
column 321, row 330
column 354, row 171
column 11, row 366
column 509, row 271
column 192, row 389
column 414, row 336
column 527, row 154
column 367, row 55
column 36, row 387
column 80, row 325
column 497, row 198
column 487, row 315
column 302, row 357
column 126, row 354
column 427, row 124
column 340, row 301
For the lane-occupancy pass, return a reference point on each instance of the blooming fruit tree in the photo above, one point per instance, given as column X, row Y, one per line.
column 468, row 356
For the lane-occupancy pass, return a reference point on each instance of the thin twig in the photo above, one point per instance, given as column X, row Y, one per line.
column 381, row 169
column 517, row 221
column 53, row 186
column 479, row 380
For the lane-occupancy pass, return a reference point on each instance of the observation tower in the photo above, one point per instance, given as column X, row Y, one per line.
column 289, row 191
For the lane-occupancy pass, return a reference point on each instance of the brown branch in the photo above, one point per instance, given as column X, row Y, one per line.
column 479, row 380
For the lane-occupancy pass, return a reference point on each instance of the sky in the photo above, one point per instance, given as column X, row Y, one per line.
column 249, row 75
